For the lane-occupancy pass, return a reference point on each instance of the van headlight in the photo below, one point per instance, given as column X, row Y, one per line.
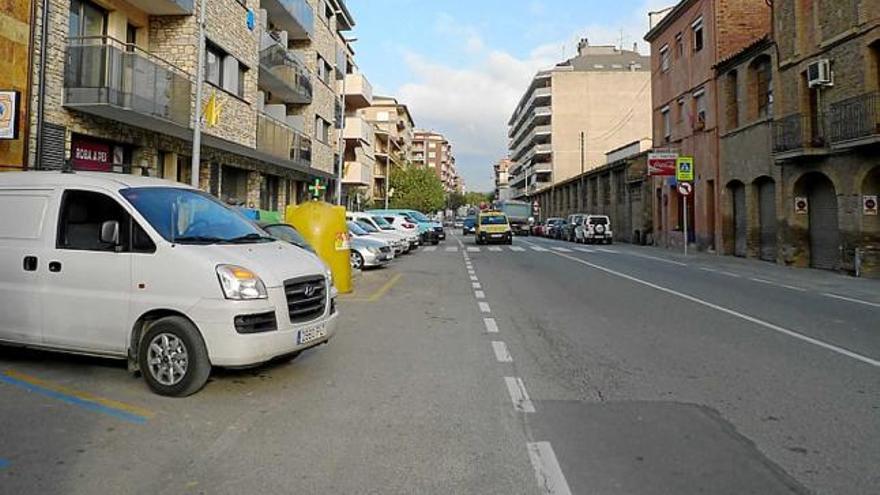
column 329, row 275
column 240, row 284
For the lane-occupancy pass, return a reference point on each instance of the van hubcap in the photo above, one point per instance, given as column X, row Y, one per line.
column 167, row 359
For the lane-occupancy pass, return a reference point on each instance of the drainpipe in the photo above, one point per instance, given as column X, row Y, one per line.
column 41, row 107
column 197, row 114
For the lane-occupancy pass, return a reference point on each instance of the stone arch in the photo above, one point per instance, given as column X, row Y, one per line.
column 767, row 218
column 822, row 225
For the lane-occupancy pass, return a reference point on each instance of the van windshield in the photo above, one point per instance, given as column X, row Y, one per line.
column 420, row 218
column 493, row 220
column 187, row 216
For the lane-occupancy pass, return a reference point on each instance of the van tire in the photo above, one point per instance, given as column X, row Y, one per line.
column 198, row 364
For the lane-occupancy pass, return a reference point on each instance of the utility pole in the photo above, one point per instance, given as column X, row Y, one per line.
column 197, row 117
column 581, row 196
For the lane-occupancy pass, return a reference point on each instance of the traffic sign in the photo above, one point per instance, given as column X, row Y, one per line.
column 684, row 169
column 685, row 188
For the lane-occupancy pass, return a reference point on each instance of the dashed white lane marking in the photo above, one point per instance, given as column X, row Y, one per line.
column 518, row 395
column 474, row 278
column 502, row 355
column 495, row 249
column 479, row 294
column 752, row 319
column 491, row 325
column 730, row 274
column 611, row 251
column 792, row 287
column 547, row 470
column 762, row 281
column 561, row 249
column 710, row 270
column 517, row 249
column 476, row 285
column 539, row 249
column 452, row 249
column 484, row 307
column 473, row 249
column 471, row 272
column 857, row 301
column 656, row 258
column 430, row 249
column 585, row 250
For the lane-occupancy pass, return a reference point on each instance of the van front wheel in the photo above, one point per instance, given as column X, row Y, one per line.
column 173, row 357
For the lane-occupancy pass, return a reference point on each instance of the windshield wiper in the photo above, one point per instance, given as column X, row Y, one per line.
column 253, row 237
column 197, row 239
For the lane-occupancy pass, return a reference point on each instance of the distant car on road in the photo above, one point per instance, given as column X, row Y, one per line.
column 595, row 229
column 287, row 232
column 457, row 223
column 572, row 223
column 551, row 226
column 469, row 226
column 493, row 226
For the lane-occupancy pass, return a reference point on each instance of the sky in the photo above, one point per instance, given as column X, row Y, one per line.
column 462, row 65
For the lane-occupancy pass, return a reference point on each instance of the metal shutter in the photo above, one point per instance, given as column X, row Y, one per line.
column 739, row 219
column 52, row 152
column 824, row 232
column 767, row 215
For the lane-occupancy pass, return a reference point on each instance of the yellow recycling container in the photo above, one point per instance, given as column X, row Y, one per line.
column 323, row 226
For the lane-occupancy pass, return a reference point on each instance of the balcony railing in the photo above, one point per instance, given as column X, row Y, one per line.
column 799, row 132
column 855, row 118
column 282, row 141
column 164, row 7
column 119, row 81
column 294, row 16
column 357, row 128
column 358, row 92
column 282, row 73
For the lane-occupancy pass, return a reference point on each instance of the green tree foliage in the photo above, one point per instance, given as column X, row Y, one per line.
column 455, row 200
column 475, row 198
column 417, row 189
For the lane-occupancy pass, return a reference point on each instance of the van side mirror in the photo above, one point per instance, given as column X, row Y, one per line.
column 110, row 232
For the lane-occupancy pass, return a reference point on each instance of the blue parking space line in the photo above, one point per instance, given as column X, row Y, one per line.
column 4, row 463
column 76, row 401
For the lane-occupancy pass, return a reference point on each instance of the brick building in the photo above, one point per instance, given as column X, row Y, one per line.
column 432, row 150
column 121, row 81
column 686, row 45
column 394, row 138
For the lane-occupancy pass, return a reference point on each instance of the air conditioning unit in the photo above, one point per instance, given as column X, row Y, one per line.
column 819, row 74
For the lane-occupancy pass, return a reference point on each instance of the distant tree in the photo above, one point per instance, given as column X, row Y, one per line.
column 417, row 189
column 475, row 198
column 455, row 200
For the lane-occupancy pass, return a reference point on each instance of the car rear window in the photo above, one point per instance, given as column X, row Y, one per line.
column 599, row 221
column 493, row 220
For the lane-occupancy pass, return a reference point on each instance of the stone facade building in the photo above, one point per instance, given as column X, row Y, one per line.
column 686, row 45
column 15, row 36
column 120, row 92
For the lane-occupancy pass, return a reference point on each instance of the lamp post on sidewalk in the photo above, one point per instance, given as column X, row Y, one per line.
column 197, row 114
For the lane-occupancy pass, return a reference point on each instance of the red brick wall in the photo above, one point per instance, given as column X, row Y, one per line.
column 739, row 23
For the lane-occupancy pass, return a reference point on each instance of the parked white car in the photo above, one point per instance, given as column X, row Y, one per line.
column 154, row 272
column 371, row 225
column 367, row 251
column 402, row 225
column 594, row 229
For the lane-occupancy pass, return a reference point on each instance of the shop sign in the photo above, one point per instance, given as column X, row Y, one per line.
column 9, row 101
column 91, row 156
column 662, row 163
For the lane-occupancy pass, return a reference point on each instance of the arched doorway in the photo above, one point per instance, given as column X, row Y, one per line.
column 824, row 232
column 737, row 191
column 767, row 221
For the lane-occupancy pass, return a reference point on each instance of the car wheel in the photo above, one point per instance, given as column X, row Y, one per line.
column 173, row 357
column 357, row 260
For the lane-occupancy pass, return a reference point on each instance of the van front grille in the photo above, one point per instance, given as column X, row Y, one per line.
column 306, row 298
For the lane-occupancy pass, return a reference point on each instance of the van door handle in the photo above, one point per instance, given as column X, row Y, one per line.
column 30, row 263
column 55, row 266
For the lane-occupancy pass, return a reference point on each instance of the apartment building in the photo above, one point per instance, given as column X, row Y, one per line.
column 359, row 135
column 121, row 82
column 502, row 179
column 393, row 125
column 15, row 35
column 686, row 45
column 432, row 150
column 826, row 128
column 601, row 95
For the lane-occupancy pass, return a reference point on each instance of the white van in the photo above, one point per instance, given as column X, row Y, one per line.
column 155, row 272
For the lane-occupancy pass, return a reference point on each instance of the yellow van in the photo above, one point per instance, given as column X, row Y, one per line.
column 493, row 226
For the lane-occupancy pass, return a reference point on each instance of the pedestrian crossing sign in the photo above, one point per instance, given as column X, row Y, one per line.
column 684, row 169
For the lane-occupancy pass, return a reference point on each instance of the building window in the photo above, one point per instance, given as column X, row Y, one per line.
column 667, row 126
column 223, row 70
column 679, row 46
column 325, row 70
column 700, row 109
column 732, row 91
column 322, row 130
column 86, row 19
column 664, row 58
column 761, row 73
column 680, row 111
column 697, row 28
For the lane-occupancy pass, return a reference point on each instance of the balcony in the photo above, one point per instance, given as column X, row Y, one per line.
column 164, row 7
column 280, row 140
column 357, row 174
column 798, row 135
column 358, row 129
column 358, row 92
column 282, row 73
column 855, row 121
column 294, row 16
column 120, row 82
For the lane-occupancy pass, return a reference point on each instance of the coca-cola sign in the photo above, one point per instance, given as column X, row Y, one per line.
column 91, row 156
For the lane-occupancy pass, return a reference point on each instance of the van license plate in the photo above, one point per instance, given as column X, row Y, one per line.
column 311, row 334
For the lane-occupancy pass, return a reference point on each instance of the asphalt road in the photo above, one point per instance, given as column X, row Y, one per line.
column 544, row 367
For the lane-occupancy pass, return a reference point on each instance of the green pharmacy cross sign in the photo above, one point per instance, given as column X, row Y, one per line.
column 317, row 189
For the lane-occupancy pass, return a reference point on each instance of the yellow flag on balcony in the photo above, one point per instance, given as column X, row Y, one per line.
column 212, row 110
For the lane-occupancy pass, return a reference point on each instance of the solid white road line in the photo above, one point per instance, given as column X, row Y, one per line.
column 539, row 249
column 430, row 249
column 491, row 325
column 495, row 249
column 502, row 355
column 452, row 249
column 561, row 249
column 655, row 258
column 517, row 390
column 752, row 319
column 857, row 301
column 476, row 285
column 479, row 294
column 484, row 307
column 473, row 249
column 547, row 470
column 517, row 249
